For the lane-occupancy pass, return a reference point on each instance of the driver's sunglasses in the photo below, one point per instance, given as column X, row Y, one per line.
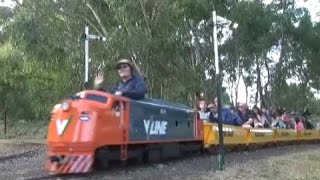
column 122, row 66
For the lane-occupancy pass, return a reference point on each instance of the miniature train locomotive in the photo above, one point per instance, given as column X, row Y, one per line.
column 94, row 128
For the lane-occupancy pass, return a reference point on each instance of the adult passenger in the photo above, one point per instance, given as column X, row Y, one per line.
column 259, row 119
column 228, row 117
column 243, row 112
column 129, row 85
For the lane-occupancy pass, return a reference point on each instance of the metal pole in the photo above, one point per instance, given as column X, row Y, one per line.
column 86, row 57
column 218, row 85
column 86, row 37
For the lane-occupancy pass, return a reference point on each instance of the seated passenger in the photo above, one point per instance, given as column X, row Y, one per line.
column 228, row 117
column 130, row 85
column 237, row 121
column 277, row 122
column 259, row 119
column 292, row 122
column 214, row 113
column 299, row 125
column 250, row 123
column 285, row 117
column 307, row 122
column 243, row 112
column 204, row 111
column 267, row 123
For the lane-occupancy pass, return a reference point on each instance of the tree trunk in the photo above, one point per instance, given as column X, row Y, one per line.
column 231, row 90
column 258, row 81
column 279, row 75
column 246, row 86
column 266, row 94
column 246, row 94
column 256, row 97
column 237, row 86
column 5, row 120
column 161, row 92
column 259, row 87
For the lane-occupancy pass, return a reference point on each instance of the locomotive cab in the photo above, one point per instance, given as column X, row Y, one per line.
column 79, row 118
column 81, row 123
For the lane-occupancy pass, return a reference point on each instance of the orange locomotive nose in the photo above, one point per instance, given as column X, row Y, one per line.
column 69, row 164
column 71, row 133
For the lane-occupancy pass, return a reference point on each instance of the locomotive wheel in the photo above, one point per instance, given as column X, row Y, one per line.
column 152, row 155
column 144, row 157
column 101, row 161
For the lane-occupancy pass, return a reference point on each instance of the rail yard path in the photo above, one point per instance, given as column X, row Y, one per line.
column 25, row 160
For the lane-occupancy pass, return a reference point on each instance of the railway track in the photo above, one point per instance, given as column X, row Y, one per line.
column 55, row 177
column 29, row 153
column 115, row 168
column 133, row 167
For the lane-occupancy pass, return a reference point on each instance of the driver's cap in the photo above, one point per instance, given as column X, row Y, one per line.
column 124, row 61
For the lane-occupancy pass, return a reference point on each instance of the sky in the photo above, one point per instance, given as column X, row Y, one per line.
column 312, row 5
column 314, row 8
column 9, row 3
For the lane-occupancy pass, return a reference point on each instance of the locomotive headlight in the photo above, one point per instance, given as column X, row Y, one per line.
column 65, row 106
column 84, row 118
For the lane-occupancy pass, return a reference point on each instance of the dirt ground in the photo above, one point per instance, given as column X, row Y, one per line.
column 297, row 162
column 15, row 147
column 288, row 162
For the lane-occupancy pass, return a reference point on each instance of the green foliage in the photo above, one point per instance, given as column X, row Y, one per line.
column 13, row 99
column 293, row 97
column 313, row 106
column 254, row 31
column 41, row 52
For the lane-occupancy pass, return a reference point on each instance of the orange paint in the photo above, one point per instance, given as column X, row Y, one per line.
column 78, row 127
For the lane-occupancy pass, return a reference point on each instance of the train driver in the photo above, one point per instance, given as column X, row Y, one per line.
column 129, row 85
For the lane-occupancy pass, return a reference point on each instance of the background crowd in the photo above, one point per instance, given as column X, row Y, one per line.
column 255, row 117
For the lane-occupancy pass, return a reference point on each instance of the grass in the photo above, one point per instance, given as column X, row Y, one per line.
column 286, row 163
column 305, row 165
column 24, row 130
column 301, row 162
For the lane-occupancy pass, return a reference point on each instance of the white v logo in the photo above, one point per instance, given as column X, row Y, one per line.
column 61, row 125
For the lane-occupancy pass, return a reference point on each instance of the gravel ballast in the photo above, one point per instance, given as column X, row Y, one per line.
column 287, row 162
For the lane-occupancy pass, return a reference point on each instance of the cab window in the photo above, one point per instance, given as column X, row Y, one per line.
column 97, row 98
column 116, row 106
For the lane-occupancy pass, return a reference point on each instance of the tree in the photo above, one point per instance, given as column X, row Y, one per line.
column 169, row 41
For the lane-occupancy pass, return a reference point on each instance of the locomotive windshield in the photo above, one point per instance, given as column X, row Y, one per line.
column 95, row 97
column 91, row 97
